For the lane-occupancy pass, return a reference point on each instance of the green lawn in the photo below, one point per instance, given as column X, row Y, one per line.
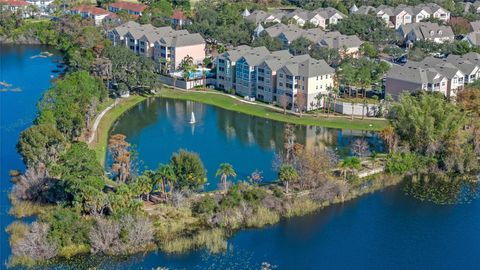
column 230, row 103
column 100, row 142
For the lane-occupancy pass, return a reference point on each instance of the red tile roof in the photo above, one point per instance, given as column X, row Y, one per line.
column 137, row 7
column 91, row 10
column 179, row 15
column 15, row 3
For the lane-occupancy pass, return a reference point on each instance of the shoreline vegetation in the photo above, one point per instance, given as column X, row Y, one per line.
column 79, row 209
column 226, row 102
column 99, row 144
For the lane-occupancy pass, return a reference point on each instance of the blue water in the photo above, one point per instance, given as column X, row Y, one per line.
column 385, row 230
column 17, row 110
column 159, row 127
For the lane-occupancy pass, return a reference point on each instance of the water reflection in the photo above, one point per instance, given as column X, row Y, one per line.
column 158, row 127
column 442, row 189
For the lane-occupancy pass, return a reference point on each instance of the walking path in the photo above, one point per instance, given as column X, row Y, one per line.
column 275, row 107
column 97, row 121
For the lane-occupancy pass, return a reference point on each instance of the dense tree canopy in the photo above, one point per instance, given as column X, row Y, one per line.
column 41, row 144
column 71, row 103
column 189, row 170
column 135, row 72
column 367, row 27
column 222, row 21
column 431, row 126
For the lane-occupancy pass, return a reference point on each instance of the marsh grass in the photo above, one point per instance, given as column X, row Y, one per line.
column 261, row 217
column 22, row 209
column 301, row 206
column 17, row 231
column 214, row 240
column 73, row 250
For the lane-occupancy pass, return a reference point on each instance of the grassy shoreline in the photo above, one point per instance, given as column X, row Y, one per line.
column 101, row 138
column 227, row 103
column 232, row 104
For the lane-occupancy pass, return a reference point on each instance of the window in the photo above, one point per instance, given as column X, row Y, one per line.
column 261, row 70
column 281, row 75
column 289, row 85
column 132, row 40
column 289, row 77
column 221, row 69
column 280, row 84
column 260, row 87
column 221, row 61
column 261, row 79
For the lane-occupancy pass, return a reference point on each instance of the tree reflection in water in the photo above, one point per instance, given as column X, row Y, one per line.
column 443, row 189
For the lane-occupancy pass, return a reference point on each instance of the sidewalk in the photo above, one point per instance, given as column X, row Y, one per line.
column 322, row 115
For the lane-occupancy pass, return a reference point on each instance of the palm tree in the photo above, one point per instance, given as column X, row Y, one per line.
column 287, row 174
column 166, row 175
column 349, row 163
column 224, row 171
column 363, row 107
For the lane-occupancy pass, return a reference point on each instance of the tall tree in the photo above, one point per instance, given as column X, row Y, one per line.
column 189, row 169
column 287, row 174
column 120, row 151
column 225, row 170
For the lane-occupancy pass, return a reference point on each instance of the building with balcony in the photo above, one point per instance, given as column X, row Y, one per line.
column 168, row 47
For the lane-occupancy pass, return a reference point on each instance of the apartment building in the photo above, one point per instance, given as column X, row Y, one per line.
column 98, row 15
column 246, row 69
column 322, row 17
column 226, row 62
column 131, row 8
column 347, row 45
column 260, row 16
column 267, row 76
column 256, row 72
column 403, row 14
column 168, row 47
column 43, row 7
column 15, row 6
column 426, row 31
column 413, row 78
column 309, row 76
column 447, row 76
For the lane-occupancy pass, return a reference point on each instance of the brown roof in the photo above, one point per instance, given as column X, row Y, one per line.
column 179, row 15
column 91, row 10
column 137, row 7
column 15, row 3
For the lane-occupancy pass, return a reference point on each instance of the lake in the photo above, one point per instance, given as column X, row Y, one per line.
column 159, row 127
column 384, row 230
column 29, row 76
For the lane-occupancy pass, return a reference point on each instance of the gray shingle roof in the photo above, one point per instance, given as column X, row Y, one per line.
column 165, row 35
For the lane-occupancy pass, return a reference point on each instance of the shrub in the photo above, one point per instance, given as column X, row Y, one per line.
column 206, row 205
column 35, row 245
column 254, row 194
column 233, row 198
column 188, row 169
column 278, row 192
column 407, row 162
